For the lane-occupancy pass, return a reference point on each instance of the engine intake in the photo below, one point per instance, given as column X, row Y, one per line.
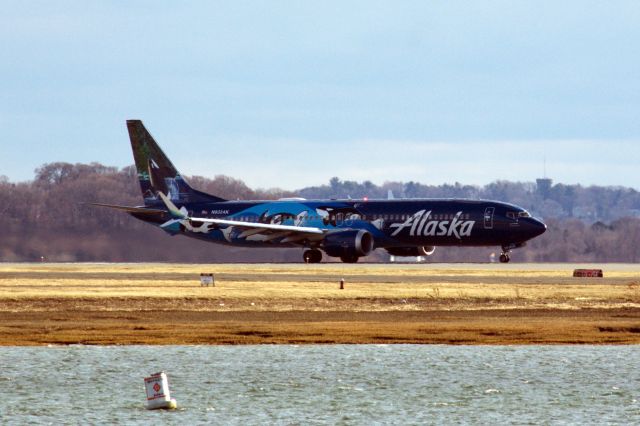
column 348, row 243
column 411, row 251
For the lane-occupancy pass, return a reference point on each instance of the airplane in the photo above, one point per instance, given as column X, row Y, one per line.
column 346, row 229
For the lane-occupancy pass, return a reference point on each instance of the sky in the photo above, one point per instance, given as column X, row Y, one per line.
column 289, row 94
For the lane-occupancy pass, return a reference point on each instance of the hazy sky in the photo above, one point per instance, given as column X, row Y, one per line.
column 289, row 94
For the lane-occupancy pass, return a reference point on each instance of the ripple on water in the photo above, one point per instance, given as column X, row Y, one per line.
column 351, row 384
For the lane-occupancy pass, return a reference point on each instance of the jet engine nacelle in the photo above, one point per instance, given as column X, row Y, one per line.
column 411, row 251
column 348, row 243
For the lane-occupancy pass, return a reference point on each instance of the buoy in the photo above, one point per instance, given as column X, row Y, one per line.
column 158, row 394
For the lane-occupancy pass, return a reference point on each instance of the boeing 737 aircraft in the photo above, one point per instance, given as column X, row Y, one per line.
column 348, row 229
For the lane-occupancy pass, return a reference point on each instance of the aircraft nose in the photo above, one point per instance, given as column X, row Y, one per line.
column 537, row 227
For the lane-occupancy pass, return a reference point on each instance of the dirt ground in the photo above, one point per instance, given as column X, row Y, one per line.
column 43, row 304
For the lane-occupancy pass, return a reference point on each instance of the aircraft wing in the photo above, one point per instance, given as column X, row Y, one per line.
column 252, row 227
column 258, row 225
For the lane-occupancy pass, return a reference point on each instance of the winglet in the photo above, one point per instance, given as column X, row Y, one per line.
column 173, row 210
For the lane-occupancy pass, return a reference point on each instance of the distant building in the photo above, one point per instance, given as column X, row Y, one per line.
column 544, row 186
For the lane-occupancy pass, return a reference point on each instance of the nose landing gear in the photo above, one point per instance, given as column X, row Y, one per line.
column 506, row 249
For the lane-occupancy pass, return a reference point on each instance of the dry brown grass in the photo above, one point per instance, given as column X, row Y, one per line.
column 160, row 303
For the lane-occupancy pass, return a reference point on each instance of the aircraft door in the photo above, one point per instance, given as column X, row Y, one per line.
column 488, row 217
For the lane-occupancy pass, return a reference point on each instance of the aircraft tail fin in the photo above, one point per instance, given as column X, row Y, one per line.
column 156, row 173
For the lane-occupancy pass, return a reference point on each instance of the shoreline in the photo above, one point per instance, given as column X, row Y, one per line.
column 121, row 304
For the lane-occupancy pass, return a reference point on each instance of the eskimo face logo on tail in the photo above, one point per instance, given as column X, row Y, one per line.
column 421, row 226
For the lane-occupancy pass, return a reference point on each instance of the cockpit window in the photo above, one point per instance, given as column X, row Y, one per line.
column 524, row 214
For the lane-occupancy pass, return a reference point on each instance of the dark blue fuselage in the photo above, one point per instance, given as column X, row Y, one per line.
column 348, row 229
column 392, row 223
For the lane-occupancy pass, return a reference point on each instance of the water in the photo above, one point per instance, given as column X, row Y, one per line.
column 342, row 384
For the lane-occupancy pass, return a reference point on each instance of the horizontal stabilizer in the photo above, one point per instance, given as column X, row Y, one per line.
column 139, row 210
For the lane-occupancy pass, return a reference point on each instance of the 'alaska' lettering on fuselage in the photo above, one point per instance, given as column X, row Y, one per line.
column 422, row 226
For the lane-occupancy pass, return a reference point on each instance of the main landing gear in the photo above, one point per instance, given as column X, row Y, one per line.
column 312, row 256
column 315, row 256
column 504, row 257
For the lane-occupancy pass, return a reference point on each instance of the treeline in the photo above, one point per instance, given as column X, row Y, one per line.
column 48, row 218
column 543, row 199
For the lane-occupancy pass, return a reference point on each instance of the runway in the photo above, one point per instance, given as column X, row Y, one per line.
column 44, row 304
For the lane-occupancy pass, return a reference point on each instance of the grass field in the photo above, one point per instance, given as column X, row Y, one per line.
column 297, row 303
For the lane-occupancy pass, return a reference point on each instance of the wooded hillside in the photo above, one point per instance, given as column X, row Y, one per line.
column 45, row 219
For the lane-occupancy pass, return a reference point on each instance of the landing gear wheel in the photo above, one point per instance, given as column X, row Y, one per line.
column 349, row 258
column 312, row 256
column 504, row 258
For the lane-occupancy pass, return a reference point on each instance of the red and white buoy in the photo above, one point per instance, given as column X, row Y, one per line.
column 158, row 394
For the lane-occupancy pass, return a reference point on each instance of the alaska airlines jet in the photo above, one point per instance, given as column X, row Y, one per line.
column 348, row 229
